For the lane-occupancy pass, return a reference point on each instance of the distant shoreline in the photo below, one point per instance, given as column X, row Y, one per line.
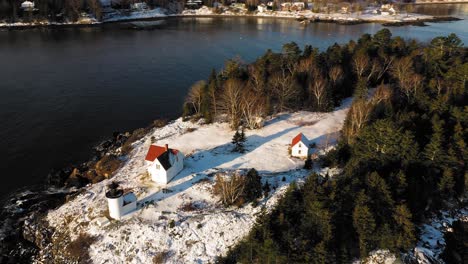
column 416, row 22
column 345, row 19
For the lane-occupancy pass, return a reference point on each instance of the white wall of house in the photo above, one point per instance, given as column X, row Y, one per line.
column 117, row 209
column 300, row 150
column 160, row 175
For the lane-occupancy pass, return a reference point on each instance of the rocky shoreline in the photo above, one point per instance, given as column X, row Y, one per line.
column 23, row 232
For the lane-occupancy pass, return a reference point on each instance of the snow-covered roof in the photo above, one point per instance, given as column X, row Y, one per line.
column 299, row 138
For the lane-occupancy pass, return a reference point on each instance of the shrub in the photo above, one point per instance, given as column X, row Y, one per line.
column 137, row 134
column 160, row 257
column 158, row 123
column 78, row 248
column 107, row 165
column 172, row 224
column 199, row 225
column 188, row 207
column 229, row 188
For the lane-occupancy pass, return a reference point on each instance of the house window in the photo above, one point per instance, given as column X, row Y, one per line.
column 158, row 166
column 299, row 151
column 299, row 144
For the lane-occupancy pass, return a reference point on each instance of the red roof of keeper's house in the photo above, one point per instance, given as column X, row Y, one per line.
column 155, row 151
column 298, row 138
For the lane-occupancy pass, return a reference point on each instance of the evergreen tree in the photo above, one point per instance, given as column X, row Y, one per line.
column 459, row 142
column 364, row 224
column 238, row 140
column 253, row 186
column 433, row 151
column 308, row 163
column 266, row 189
column 405, row 237
column 446, row 184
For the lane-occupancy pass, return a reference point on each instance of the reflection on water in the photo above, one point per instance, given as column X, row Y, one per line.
column 442, row 9
column 64, row 89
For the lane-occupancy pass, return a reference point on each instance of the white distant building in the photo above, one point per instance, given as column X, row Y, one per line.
column 139, row 6
column 164, row 163
column 119, row 202
column 300, row 146
column 27, row 6
column 262, row 8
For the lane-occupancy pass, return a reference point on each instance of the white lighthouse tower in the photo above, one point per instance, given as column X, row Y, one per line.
column 119, row 202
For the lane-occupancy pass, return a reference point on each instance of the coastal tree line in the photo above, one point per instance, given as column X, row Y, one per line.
column 402, row 148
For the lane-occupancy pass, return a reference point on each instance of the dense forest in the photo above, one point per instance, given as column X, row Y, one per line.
column 402, row 149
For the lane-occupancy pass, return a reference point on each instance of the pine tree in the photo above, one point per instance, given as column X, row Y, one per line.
column 433, row 151
column 364, row 224
column 404, row 227
column 266, row 189
column 446, row 184
column 459, row 142
column 238, row 140
column 361, row 89
column 308, row 163
column 253, row 186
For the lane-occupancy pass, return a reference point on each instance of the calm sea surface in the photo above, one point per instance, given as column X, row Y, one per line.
column 64, row 90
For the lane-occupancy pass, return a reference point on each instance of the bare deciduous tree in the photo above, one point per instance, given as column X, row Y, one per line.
column 358, row 115
column 318, row 90
column 195, row 96
column 409, row 82
column 361, row 64
column 229, row 187
column 284, row 89
column 252, row 107
column 229, row 102
column 335, row 74
column 382, row 93
column 95, row 8
column 257, row 79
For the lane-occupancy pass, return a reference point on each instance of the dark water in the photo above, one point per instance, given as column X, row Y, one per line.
column 64, row 90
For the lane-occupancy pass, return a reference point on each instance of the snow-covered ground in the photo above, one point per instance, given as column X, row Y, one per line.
column 431, row 242
column 366, row 16
column 135, row 15
column 202, row 234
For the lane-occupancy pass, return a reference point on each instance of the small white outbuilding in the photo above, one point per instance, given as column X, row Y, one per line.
column 119, row 202
column 300, row 146
column 27, row 6
column 163, row 163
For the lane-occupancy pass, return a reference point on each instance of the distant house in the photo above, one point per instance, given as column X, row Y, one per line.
column 387, row 9
column 262, row 8
column 194, row 4
column 119, row 202
column 27, row 6
column 164, row 163
column 139, row 6
column 300, row 146
column 292, row 6
column 297, row 6
column 238, row 5
column 285, row 6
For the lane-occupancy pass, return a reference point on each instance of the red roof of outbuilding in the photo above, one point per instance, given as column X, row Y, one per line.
column 155, row 151
column 296, row 139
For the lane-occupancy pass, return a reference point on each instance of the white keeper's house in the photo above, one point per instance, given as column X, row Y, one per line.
column 164, row 163
column 300, row 146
